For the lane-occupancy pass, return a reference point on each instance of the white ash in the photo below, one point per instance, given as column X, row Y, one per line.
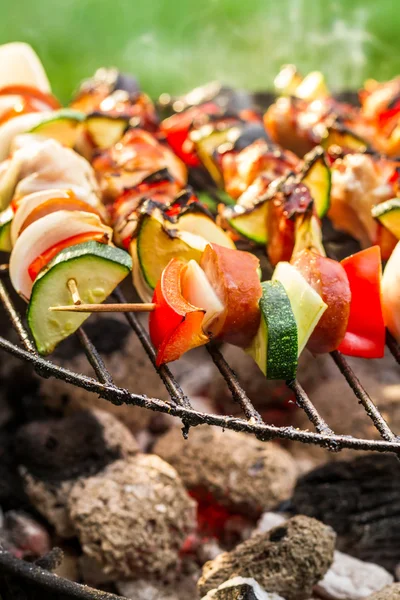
column 141, row 589
column 269, row 520
column 240, row 583
column 352, row 579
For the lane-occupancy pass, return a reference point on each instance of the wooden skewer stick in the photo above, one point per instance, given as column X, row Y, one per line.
column 92, row 308
column 73, row 288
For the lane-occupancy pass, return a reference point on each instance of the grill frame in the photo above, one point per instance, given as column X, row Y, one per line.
column 179, row 404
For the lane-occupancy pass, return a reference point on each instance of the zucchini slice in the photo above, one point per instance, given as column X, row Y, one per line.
column 6, row 218
column 97, row 270
column 388, row 213
column 249, row 224
column 104, row 130
column 202, row 225
column 207, row 140
column 158, row 241
column 344, row 138
column 317, row 178
column 307, row 305
column 62, row 125
column 275, row 346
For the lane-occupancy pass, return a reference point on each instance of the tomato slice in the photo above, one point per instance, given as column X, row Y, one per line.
column 41, row 261
column 30, row 93
column 55, row 204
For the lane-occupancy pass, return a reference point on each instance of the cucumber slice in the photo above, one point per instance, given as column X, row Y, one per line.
column 6, row 218
column 275, row 346
column 61, row 125
column 105, row 131
column 97, row 270
column 158, row 241
column 307, row 306
column 318, row 180
column 251, row 224
column 388, row 213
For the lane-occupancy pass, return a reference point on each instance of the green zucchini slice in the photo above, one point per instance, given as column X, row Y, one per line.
column 307, row 305
column 275, row 347
column 317, row 177
column 97, row 270
column 104, row 130
column 158, row 242
column 388, row 213
column 6, row 218
column 63, row 126
column 344, row 138
column 250, row 224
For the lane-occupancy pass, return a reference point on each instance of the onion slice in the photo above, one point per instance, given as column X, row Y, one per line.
column 42, row 235
column 198, row 291
column 17, row 125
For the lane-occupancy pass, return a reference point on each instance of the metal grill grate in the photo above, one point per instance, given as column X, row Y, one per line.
column 179, row 404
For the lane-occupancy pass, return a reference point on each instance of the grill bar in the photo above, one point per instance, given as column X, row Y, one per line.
column 94, row 357
column 15, row 319
column 393, row 346
column 238, row 393
column 46, row 581
column 304, row 402
column 363, row 397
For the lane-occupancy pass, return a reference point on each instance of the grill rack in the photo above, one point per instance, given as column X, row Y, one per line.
column 179, row 404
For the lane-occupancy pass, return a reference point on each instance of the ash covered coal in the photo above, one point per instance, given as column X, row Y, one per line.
column 133, row 517
column 234, row 469
column 289, row 560
column 53, row 455
column 360, row 499
column 391, row 592
column 240, row 588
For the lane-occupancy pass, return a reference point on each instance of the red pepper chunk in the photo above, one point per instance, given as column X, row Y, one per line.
column 365, row 334
column 175, row 324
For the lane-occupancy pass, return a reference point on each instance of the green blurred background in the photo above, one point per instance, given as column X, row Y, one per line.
column 173, row 45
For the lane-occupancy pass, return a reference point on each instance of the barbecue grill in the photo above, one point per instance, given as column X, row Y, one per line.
column 20, row 579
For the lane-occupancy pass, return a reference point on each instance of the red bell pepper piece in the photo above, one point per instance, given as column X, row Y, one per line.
column 175, row 325
column 365, row 334
column 177, row 128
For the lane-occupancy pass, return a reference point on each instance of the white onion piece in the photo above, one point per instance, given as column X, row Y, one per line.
column 42, row 235
column 28, row 204
column 198, row 291
column 47, row 164
column 20, row 65
column 391, row 293
column 17, row 125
